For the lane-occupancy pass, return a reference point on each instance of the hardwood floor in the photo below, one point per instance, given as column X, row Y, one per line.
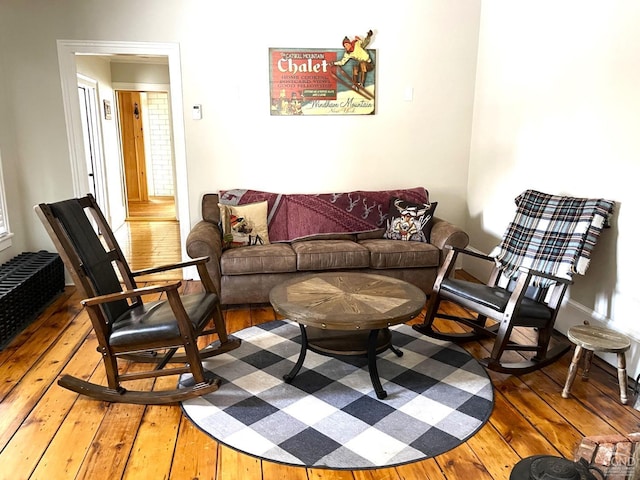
column 47, row 432
column 151, row 243
column 156, row 208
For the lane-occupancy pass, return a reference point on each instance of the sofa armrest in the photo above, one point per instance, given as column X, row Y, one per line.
column 444, row 233
column 205, row 240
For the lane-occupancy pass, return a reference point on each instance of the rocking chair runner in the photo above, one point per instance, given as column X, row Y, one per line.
column 125, row 326
column 550, row 240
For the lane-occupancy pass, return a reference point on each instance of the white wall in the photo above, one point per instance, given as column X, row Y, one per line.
column 557, row 108
column 430, row 46
column 126, row 72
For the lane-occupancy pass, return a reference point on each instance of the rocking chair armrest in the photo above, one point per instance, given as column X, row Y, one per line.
column 452, row 256
column 172, row 266
column 465, row 251
column 447, row 266
column 530, row 272
column 137, row 292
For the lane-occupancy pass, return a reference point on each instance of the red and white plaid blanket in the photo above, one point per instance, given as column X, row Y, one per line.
column 552, row 234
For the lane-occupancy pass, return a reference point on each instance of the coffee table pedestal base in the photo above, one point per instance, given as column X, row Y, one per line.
column 338, row 342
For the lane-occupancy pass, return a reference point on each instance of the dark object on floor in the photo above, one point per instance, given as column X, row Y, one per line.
column 547, row 467
column 28, row 283
column 127, row 327
column 549, row 240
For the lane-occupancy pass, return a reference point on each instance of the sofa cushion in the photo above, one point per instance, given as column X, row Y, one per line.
column 379, row 233
column 330, row 255
column 394, row 254
column 410, row 221
column 330, row 236
column 244, row 225
column 272, row 258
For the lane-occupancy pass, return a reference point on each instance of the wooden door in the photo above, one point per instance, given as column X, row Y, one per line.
column 130, row 109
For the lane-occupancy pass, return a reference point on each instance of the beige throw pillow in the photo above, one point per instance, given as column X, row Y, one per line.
column 244, row 225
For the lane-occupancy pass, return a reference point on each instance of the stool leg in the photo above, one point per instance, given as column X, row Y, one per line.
column 573, row 369
column 622, row 376
column 588, row 358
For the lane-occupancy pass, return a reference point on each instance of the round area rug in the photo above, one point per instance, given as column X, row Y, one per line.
column 329, row 416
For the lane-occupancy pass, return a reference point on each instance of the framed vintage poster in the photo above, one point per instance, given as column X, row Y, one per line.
column 323, row 81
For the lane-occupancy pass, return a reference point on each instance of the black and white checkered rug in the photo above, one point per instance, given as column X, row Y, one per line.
column 329, row 416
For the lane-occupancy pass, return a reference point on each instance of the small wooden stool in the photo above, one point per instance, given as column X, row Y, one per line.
column 597, row 339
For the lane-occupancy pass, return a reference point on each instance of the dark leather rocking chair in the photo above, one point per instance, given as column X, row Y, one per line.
column 549, row 240
column 125, row 326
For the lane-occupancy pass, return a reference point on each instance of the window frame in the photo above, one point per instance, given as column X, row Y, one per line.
column 5, row 229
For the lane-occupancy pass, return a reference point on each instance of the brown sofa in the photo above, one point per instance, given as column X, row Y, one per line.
column 247, row 274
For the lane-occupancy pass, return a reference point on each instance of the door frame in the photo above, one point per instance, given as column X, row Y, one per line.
column 94, row 137
column 67, row 50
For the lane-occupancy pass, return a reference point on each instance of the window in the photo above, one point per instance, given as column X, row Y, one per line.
column 5, row 235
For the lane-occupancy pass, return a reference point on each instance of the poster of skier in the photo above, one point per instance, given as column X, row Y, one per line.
column 323, row 81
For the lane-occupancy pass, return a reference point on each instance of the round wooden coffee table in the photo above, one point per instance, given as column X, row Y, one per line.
column 347, row 313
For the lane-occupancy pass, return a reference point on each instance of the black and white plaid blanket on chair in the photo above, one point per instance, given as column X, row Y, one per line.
column 552, row 234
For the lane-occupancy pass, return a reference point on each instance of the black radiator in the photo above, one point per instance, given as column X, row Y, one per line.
column 28, row 283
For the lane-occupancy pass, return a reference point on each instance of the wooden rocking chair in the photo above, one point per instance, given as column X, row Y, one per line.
column 125, row 326
column 549, row 241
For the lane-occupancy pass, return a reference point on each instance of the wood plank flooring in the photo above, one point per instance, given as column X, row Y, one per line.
column 47, row 432
column 156, row 208
column 151, row 243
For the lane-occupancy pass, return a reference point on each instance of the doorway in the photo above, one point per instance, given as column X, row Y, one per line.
column 147, row 150
column 67, row 52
